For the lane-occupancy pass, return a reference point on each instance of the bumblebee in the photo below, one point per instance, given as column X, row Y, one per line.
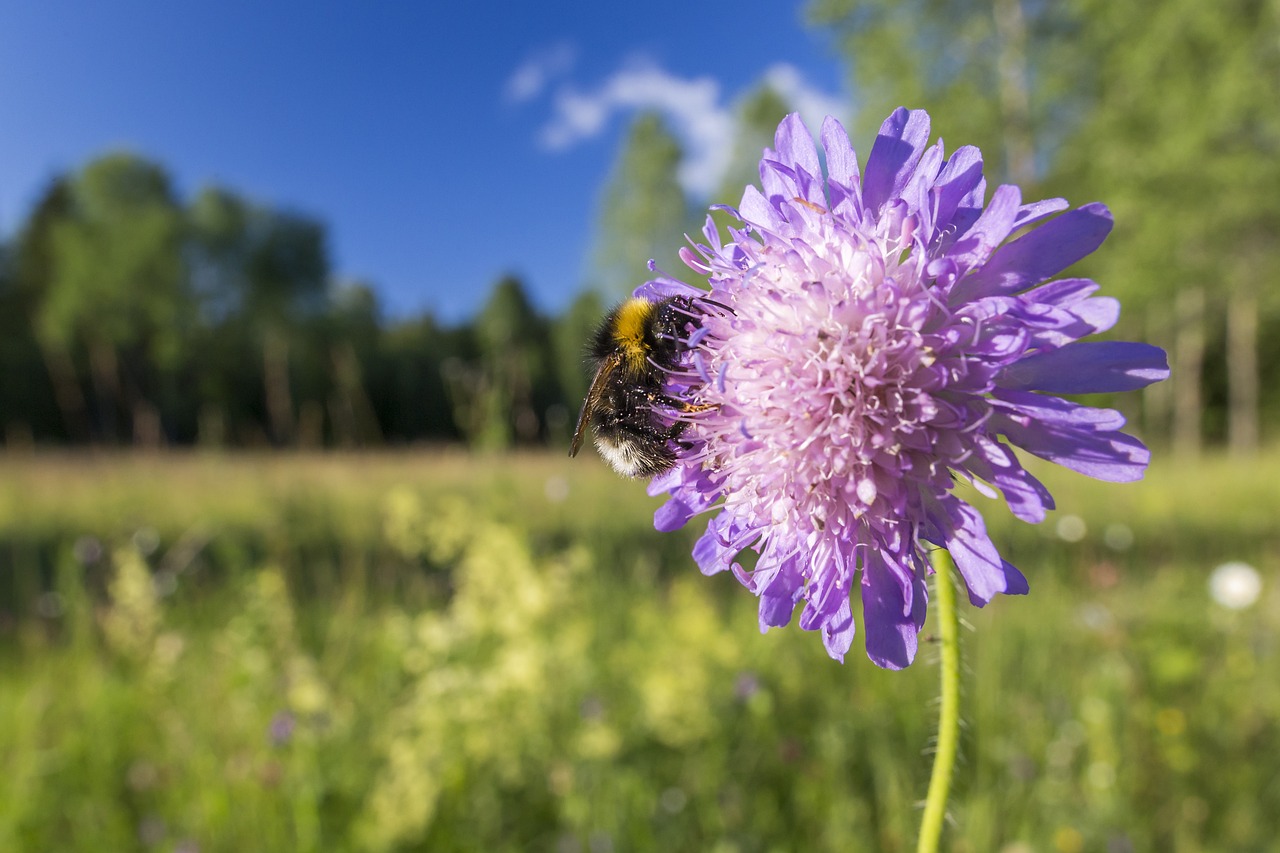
column 637, row 345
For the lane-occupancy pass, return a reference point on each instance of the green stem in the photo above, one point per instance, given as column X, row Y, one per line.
column 944, row 758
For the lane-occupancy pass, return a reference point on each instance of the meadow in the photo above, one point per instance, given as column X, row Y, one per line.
column 434, row 651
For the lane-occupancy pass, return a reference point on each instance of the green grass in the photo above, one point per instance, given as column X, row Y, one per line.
column 500, row 654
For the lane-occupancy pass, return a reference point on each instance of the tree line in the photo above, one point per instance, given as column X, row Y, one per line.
column 131, row 316
column 128, row 315
column 1167, row 112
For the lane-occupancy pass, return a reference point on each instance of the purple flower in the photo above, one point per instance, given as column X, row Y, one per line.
column 281, row 729
column 869, row 340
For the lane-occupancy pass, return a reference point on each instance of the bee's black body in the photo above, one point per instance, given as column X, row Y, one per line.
column 637, row 344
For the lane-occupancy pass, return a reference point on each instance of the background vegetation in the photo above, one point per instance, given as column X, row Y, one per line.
column 477, row 645
column 443, row 652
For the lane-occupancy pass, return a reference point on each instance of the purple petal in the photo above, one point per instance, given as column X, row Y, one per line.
column 661, row 288
column 1026, row 496
column 916, row 191
column 667, row 481
column 1063, row 293
column 1078, row 437
column 710, row 555
column 779, row 592
column 723, row 540
column 673, row 515
column 756, row 210
column 1053, row 326
column 1015, row 581
column 1101, row 454
column 776, row 610
column 893, row 604
column 1042, row 253
column 960, row 176
column 1097, row 314
column 976, row 558
column 1091, row 367
column 893, row 157
column 1037, row 210
column 842, row 168
column 838, row 631
column 1027, row 407
column 980, row 241
column 777, row 179
column 822, row 596
column 795, row 145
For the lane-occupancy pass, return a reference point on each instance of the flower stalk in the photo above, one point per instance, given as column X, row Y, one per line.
column 944, row 757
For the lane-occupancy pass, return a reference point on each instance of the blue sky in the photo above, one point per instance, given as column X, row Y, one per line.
column 443, row 144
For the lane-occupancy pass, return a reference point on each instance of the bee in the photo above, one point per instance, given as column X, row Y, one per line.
column 637, row 345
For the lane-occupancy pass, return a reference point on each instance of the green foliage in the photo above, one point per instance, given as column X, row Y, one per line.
column 642, row 209
column 999, row 74
column 1181, row 140
column 218, row 324
column 501, row 397
column 432, row 653
column 571, row 334
column 1165, row 112
column 117, row 275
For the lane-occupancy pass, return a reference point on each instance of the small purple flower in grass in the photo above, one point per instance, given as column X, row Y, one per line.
column 869, row 340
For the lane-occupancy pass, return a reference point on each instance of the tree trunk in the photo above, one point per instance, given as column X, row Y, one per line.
column 275, row 381
column 104, row 367
column 355, row 424
column 1157, row 398
column 66, row 391
column 1188, row 363
column 1242, row 370
column 148, row 430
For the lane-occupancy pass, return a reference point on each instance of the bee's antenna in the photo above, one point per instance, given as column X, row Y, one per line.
column 713, row 302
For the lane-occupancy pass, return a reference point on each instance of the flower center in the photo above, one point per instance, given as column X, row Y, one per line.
column 826, row 388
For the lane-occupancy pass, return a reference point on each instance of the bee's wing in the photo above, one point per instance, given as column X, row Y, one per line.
column 603, row 373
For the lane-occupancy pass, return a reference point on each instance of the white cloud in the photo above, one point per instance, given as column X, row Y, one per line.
column 531, row 78
column 699, row 114
column 813, row 104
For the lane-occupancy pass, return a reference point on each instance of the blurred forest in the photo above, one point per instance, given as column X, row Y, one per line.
column 130, row 315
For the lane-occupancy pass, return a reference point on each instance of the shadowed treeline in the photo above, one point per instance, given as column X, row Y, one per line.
column 131, row 315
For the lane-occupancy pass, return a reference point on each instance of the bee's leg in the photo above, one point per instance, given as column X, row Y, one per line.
column 678, row 405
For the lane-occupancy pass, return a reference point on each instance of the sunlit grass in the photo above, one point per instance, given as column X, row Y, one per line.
column 430, row 651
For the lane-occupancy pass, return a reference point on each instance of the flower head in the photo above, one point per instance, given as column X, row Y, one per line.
column 869, row 340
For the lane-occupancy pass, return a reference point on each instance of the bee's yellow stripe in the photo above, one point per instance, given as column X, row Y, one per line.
column 629, row 330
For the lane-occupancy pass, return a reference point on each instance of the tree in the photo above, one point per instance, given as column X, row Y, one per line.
column 26, row 404
column 414, row 396
column 32, row 271
column 354, row 329
column 570, row 334
column 758, row 116
column 116, row 286
column 265, row 273
column 994, row 73
column 643, row 209
column 514, row 368
column 1183, row 140
column 1166, row 112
